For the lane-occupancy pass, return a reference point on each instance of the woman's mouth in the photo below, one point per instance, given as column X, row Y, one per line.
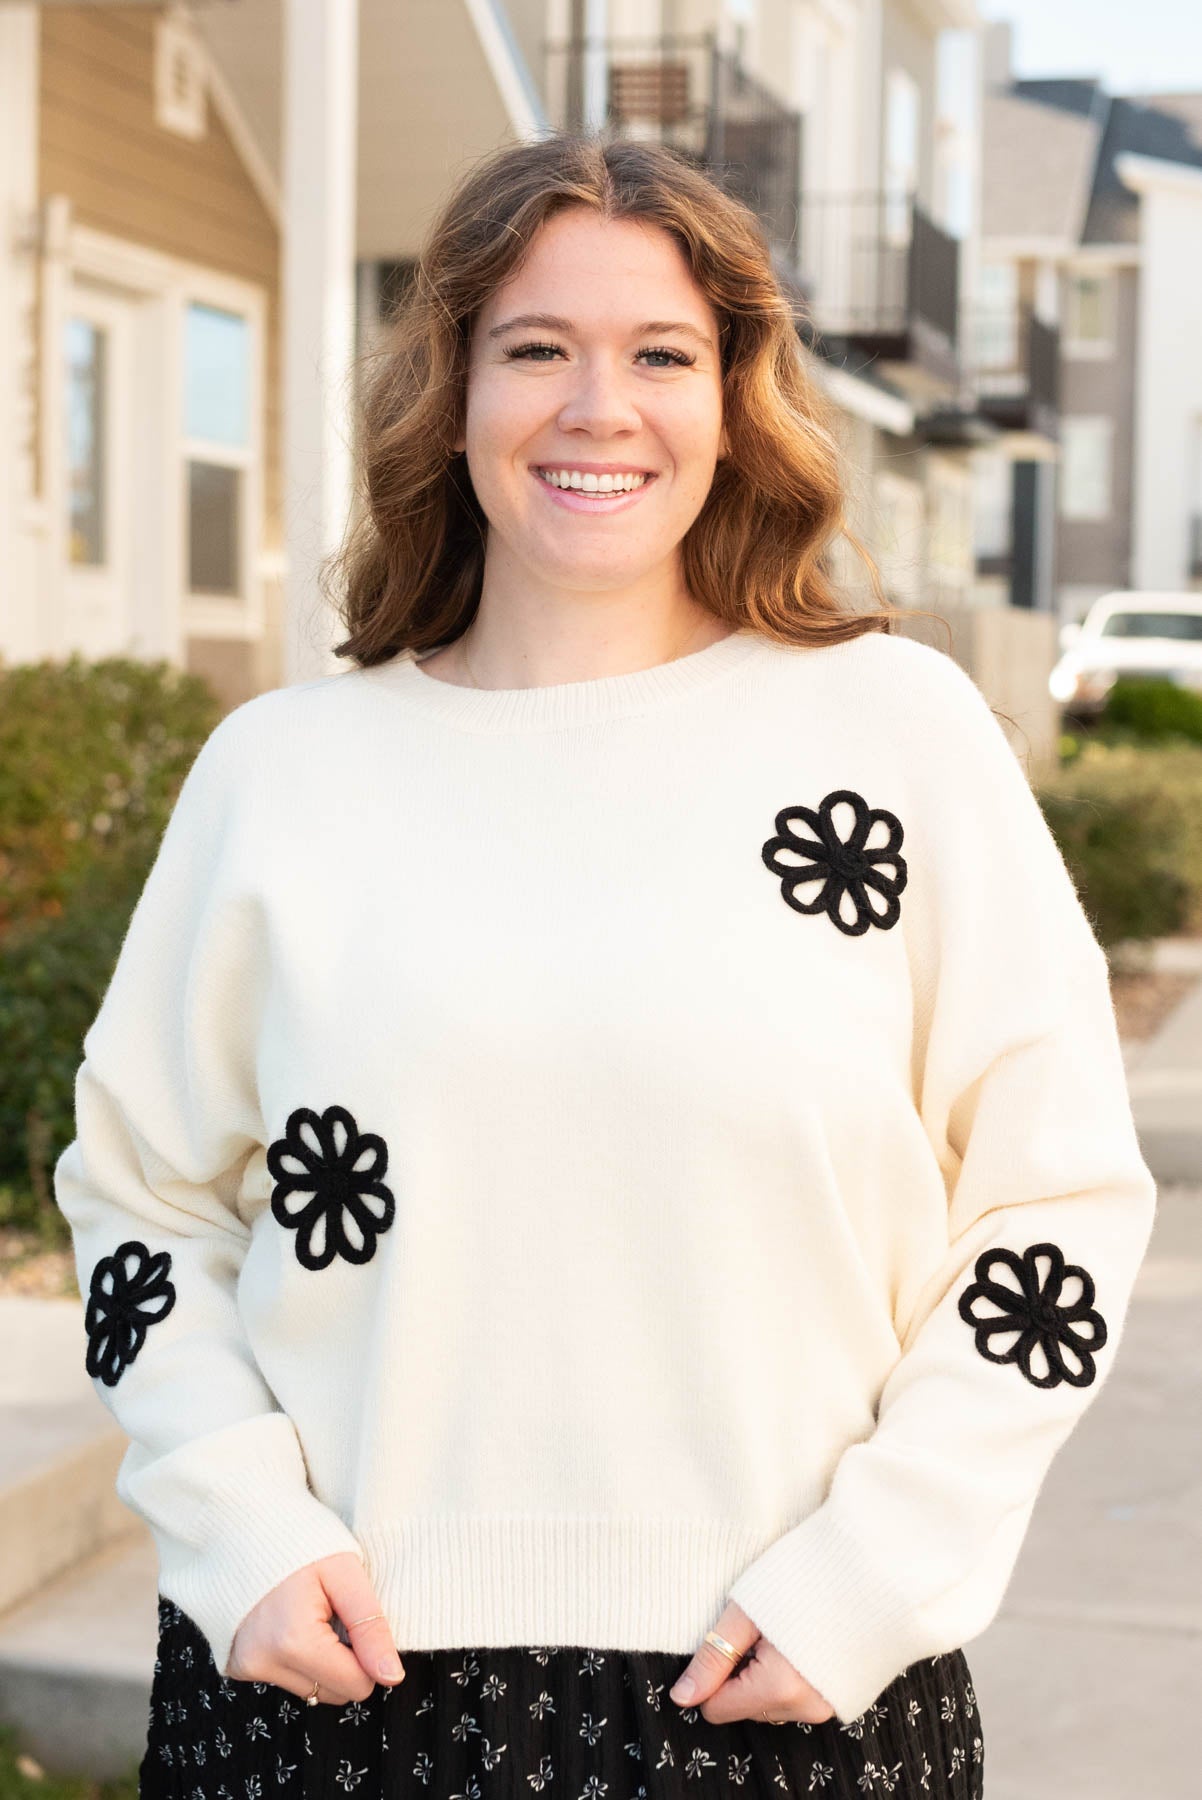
column 568, row 488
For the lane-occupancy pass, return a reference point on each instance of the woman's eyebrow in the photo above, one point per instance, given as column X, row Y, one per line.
column 552, row 322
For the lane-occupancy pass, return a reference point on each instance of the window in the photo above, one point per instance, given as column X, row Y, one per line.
column 993, row 487
column 1183, row 626
column 1085, row 469
column 996, row 344
column 1089, row 314
column 217, row 401
column 87, row 431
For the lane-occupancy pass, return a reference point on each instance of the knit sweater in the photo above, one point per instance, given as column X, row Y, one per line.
column 599, row 1150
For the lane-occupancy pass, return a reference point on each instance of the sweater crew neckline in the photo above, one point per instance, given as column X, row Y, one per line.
column 568, row 702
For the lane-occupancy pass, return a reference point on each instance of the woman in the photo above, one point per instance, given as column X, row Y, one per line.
column 597, row 1160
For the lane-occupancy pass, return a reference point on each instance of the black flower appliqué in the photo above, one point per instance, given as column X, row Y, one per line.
column 813, row 851
column 1067, row 1334
column 129, row 1292
column 329, row 1187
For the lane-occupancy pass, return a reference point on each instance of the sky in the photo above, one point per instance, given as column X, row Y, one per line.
column 1154, row 46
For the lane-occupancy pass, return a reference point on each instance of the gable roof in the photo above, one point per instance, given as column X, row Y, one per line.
column 1050, row 151
column 1038, row 163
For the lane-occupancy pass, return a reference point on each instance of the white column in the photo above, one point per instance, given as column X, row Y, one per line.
column 20, row 520
column 596, row 27
column 321, row 59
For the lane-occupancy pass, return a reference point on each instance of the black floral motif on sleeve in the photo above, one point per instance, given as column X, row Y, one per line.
column 337, row 1172
column 129, row 1292
column 1067, row 1334
column 843, row 866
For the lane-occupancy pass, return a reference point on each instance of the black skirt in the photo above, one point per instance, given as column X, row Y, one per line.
column 565, row 1722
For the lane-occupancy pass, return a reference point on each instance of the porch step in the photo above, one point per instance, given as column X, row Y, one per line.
column 77, row 1663
column 60, row 1448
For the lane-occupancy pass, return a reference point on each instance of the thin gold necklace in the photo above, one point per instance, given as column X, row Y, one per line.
column 467, row 665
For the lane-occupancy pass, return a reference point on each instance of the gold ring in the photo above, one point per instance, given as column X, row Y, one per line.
column 726, row 1648
column 370, row 1616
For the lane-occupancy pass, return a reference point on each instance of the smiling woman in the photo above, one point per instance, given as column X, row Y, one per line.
column 564, row 1196
column 592, row 440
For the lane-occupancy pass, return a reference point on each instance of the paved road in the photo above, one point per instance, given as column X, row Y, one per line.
column 1090, row 1678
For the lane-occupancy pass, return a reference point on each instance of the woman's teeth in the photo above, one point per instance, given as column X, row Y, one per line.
column 591, row 484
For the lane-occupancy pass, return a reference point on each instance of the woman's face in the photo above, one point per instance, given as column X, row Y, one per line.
column 621, row 373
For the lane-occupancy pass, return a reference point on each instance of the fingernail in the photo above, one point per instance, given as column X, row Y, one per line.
column 390, row 1669
column 685, row 1688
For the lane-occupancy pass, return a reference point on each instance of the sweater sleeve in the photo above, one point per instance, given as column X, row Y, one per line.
column 1019, row 1080
column 166, row 1119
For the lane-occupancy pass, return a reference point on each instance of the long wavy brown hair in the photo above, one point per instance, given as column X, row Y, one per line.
column 759, row 553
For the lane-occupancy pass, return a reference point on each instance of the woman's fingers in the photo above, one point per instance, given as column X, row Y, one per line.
column 289, row 1641
column 354, row 1599
column 769, row 1689
column 710, row 1666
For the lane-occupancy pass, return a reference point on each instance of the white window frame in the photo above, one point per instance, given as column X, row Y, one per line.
column 1093, row 510
column 227, row 456
column 171, row 283
column 1090, row 349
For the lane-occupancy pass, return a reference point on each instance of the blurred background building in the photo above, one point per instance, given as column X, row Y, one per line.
column 210, row 209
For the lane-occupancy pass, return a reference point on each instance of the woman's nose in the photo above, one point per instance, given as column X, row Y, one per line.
column 601, row 401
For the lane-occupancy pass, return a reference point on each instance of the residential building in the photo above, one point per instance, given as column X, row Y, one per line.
column 176, row 362
column 1092, row 220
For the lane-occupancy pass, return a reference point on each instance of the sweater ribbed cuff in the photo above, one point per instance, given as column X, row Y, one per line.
column 260, row 1523
column 815, row 1595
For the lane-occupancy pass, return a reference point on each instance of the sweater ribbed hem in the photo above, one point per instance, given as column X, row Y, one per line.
column 564, row 703
column 473, row 1581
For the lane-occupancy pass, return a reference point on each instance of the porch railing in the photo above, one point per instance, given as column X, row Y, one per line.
column 683, row 90
column 877, row 266
column 1014, row 363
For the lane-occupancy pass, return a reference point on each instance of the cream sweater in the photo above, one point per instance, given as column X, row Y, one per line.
column 602, row 1149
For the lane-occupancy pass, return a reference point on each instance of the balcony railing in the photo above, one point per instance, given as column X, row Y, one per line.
column 684, row 91
column 882, row 277
column 1014, row 363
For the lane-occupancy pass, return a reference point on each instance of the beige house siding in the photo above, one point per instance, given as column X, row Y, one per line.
column 124, row 174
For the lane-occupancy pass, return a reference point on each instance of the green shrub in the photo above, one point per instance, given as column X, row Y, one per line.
column 91, row 760
column 1128, row 817
column 1153, row 709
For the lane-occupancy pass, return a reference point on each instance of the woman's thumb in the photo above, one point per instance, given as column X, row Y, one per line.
column 357, row 1604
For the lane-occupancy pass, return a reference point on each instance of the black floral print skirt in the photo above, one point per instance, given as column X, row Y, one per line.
column 565, row 1722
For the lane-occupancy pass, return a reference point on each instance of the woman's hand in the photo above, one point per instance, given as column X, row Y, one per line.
column 288, row 1640
column 768, row 1684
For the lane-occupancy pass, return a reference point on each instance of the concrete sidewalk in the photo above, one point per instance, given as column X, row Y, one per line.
column 1090, row 1677
column 1164, row 1077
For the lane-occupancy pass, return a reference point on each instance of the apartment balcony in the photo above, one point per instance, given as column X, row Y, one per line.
column 683, row 90
column 1013, row 365
column 882, row 285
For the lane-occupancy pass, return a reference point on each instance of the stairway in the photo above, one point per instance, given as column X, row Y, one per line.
column 78, row 1570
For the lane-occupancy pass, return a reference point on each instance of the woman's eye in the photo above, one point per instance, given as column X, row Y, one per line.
column 527, row 351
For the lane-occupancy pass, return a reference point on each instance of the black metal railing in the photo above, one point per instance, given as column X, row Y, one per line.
column 878, row 267
column 1013, row 360
column 683, row 90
